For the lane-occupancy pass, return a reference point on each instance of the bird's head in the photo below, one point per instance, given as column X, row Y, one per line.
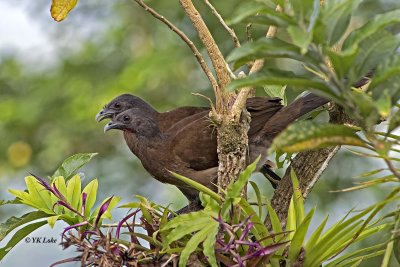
column 135, row 121
column 122, row 103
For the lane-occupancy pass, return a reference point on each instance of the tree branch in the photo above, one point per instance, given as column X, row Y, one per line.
column 244, row 93
column 231, row 32
column 217, row 59
column 186, row 39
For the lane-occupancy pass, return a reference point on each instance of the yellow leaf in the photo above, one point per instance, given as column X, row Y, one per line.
column 60, row 8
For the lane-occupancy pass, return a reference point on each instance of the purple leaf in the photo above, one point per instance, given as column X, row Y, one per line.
column 102, row 210
column 84, row 196
column 45, row 184
column 265, row 251
column 73, row 227
column 66, row 205
column 123, row 221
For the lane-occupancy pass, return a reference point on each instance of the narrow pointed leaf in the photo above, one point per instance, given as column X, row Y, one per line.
column 14, row 222
column 74, row 192
column 198, row 186
column 309, row 135
column 91, row 191
column 298, row 238
column 193, row 244
column 18, row 236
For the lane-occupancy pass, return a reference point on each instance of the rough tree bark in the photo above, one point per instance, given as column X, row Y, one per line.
column 308, row 167
column 230, row 117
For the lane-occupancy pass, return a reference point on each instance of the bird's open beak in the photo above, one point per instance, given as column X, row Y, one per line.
column 104, row 115
column 113, row 125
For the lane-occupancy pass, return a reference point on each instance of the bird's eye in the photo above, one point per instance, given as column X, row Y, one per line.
column 126, row 118
column 117, row 105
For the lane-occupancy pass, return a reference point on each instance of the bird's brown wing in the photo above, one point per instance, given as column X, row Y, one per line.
column 290, row 113
column 194, row 142
column 168, row 119
column 261, row 110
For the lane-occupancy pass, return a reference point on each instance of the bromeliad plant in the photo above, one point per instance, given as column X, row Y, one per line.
column 230, row 231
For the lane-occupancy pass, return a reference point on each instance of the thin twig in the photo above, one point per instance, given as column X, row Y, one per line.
column 259, row 63
column 186, row 39
column 231, row 32
column 217, row 59
column 248, row 32
column 241, row 99
column 392, row 168
column 208, row 99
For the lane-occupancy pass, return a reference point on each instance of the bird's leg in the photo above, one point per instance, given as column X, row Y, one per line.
column 272, row 177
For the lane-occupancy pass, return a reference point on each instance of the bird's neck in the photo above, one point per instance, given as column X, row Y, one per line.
column 146, row 107
column 140, row 144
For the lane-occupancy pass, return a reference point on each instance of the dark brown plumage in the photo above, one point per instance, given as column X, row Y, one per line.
column 260, row 108
column 189, row 147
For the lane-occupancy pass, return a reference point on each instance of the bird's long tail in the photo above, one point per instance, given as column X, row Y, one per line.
column 292, row 112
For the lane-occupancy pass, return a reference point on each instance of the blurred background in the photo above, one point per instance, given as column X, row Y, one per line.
column 55, row 77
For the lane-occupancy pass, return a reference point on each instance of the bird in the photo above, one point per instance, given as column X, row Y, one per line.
column 165, row 119
column 260, row 108
column 189, row 147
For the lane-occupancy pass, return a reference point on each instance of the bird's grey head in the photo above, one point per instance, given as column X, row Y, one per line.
column 135, row 121
column 122, row 103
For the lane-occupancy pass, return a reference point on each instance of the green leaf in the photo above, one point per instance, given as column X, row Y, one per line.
column 342, row 61
column 60, row 8
column 198, row 186
column 38, row 194
column 302, row 9
column 314, row 238
column 114, row 202
column 14, row 222
column 258, row 196
column 373, row 49
column 91, row 191
column 373, row 26
column 394, row 121
column 364, row 108
column 282, row 78
column 354, row 253
column 259, row 14
column 291, row 220
column 275, row 222
column 299, row 236
column 19, row 235
column 386, row 78
column 234, row 190
column 23, row 197
column 300, row 37
column 193, row 244
column 208, row 247
column 307, row 135
column 187, row 219
column 277, row 91
column 265, row 48
column 384, row 104
column 52, row 220
column 259, row 230
column 334, row 21
column 59, row 183
column 72, row 164
column 298, row 199
column 74, row 192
